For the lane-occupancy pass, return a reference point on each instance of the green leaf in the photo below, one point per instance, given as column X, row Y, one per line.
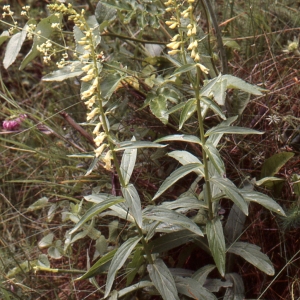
column 173, row 218
column 163, row 280
column 185, row 157
column 176, row 175
column 95, row 210
column 231, row 130
column 4, row 36
column 237, row 83
column 269, row 182
column 263, row 200
column 45, row 30
column 183, row 69
column 104, row 13
column 96, row 268
column 14, row 46
column 46, row 241
column 170, row 241
column 254, row 256
column 191, row 288
column 237, row 292
column 188, row 110
column 216, row 242
column 185, row 202
column 214, row 285
column 128, row 162
column 109, row 84
column 66, row 72
column 219, row 91
column 234, row 225
column 215, row 158
column 272, row 165
column 232, row 192
column 41, row 203
column 158, row 107
column 215, row 138
column 134, row 287
column 138, row 144
column 134, row 265
column 132, row 200
column 201, row 274
column 180, row 138
column 118, row 261
column 296, row 184
column 176, row 108
column 214, row 107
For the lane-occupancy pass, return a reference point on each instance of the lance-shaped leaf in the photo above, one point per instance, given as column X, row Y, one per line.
column 185, row 157
column 237, row 292
column 132, row 200
column 14, row 46
column 138, row 144
column 177, row 174
column 273, row 164
column 180, row 138
column 263, row 200
column 231, row 191
column 191, row 288
column 213, row 106
column 237, row 83
column 118, row 261
column 215, row 158
column 216, row 242
column 128, row 162
column 95, row 210
column 215, row 138
column 66, row 72
column 96, row 268
column 201, row 274
column 158, row 107
column 188, row 110
column 184, row 68
column 231, row 130
column 171, row 217
column 163, row 280
column 134, row 287
column 252, row 254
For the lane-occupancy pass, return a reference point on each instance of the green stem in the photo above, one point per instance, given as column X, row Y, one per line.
column 203, row 140
column 115, row 159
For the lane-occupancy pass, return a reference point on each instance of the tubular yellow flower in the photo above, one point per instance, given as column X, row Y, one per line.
column 203, row 68
column 100, row 138
column 175, row 38
column 87, row 94
column 173, row 52
column 90, row 102
column 174, row 45
column 97, row 128
column 87, row 77
column 107, row 160
column 194, row 30
column 92, row 114
column 173, row 26
column 100, row 149
column 86, row 68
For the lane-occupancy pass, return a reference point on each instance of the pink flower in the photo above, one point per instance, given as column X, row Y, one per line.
column 13, row 125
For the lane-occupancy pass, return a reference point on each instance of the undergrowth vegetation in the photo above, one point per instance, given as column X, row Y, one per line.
column 150, row 150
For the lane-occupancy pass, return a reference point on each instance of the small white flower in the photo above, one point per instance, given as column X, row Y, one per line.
column 273, row 119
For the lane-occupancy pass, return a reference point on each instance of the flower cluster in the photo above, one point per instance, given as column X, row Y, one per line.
column 90, row 94
column 14, row 124
column 292, row 47
column 7, row 11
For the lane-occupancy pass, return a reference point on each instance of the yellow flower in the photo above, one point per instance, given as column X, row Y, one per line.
column 97, row 128
column 87, row 77
column 174, row 45
column 100, row 149
column 203, row 68
column 100, row 138
column 173, row 52
column 107, row 160
column 92, row 114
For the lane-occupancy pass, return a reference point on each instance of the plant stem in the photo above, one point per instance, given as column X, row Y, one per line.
column 203, row 140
